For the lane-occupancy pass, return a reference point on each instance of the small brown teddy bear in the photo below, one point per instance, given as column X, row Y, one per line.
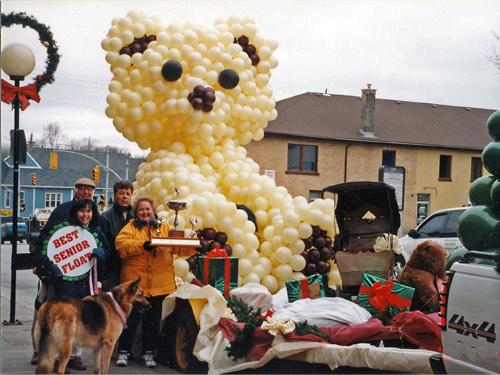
column 426, row 264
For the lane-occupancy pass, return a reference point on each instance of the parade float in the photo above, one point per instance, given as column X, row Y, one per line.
column 195, row 96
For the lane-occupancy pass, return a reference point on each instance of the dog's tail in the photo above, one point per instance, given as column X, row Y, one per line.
column 42, row 342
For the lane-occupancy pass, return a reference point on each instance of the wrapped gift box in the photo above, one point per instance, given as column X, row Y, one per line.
column 311, row 287
column 384, row 297
column 219, row 270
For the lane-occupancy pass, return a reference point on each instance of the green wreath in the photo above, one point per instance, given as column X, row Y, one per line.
column 45, row 37
column 55, row 229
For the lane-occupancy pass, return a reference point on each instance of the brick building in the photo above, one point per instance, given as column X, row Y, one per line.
column 320, row 140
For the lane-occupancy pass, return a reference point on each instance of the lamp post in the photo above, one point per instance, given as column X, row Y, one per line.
column 17, row 62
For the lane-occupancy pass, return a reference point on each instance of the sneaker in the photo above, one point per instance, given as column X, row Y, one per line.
column 76, row 363
column 122, row 360
column 148, row 359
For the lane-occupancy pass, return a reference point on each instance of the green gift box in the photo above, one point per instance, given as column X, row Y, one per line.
column 310, row 287
column 384, row 297
column 220, row 272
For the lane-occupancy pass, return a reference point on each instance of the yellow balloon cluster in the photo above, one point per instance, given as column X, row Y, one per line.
column 194, row 96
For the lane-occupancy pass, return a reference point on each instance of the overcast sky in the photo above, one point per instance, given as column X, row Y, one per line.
column 422, row 51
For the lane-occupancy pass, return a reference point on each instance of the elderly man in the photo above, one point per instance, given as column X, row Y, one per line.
column 112, row 222
column 84, row 188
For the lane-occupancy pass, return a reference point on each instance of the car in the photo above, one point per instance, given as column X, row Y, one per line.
column 6, row 228
column 469, row 316
column 441, row 226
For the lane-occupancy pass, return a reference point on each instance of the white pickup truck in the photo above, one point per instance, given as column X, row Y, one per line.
column 470, row 316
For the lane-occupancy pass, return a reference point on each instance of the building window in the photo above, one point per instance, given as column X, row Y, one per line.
column 52, row 199
column 21, row 197
column 7, row 199
column 423, row 206
column 389, row 158
column 315, row 194
column 302, row 158
column 445, row 167
column 476, row 168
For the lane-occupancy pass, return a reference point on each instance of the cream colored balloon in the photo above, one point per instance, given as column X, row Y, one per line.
column 251, row 278
column 244, row 267
column 297, row 262
column 181, row 267
column 284, row 272
column 271, row 283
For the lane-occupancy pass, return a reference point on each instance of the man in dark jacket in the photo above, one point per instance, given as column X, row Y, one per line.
column 112, row 222
column 84, row 188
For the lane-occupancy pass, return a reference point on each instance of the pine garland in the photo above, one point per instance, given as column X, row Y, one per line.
column 303, row 328
column 244, row 313
column 242, row 343
column 45, row 37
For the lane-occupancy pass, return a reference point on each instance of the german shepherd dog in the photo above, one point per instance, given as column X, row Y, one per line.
column 94, row 321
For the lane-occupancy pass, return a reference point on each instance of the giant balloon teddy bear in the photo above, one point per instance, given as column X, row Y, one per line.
column 195, row 96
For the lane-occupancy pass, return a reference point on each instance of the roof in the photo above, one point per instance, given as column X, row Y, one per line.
column 70, row 167
column 337, row 117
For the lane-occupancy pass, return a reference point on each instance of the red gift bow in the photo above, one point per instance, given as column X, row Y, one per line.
column 218, row 253
column 268, row 314
column 24, row 93
column 304, row 287
column 381, row 296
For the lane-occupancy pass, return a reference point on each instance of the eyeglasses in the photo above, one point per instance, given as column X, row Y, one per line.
column 87, row 188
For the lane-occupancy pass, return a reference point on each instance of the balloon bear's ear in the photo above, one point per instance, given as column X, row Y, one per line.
column 138, row 45
column 257, row 48
column 128, row 35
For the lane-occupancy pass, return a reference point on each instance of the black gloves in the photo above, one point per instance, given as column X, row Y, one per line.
column 148, row 247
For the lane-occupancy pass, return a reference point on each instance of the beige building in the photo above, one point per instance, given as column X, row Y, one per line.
column 432, row 151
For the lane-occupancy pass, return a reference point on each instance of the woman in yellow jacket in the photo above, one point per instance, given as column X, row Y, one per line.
column 155, row 267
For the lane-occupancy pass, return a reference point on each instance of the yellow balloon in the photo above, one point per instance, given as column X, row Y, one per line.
column 271, row 283
column 283, row 254
column 284, row 272
column 297, row 262
column 251, row 278
column 181, row 267
column 244, row 266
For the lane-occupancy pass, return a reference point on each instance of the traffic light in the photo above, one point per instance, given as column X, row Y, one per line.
column 96, row 174
column 53, row 160
column 33, row 180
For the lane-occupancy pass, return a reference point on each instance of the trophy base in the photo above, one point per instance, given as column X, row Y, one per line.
column 174, row 233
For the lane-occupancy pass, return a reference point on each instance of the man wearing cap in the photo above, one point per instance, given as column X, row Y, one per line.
column 84, row 188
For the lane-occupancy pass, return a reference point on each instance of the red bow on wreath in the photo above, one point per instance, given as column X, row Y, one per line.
column 381, row 297
column 24, row 93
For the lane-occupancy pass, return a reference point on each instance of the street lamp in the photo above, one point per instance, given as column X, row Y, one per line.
column 17, row 62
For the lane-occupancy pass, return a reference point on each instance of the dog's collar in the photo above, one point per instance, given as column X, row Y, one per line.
column 118, row 309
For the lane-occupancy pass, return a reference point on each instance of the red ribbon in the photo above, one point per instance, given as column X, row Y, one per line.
column 381, row 296
column 24, row 94
column 304, row 288
column 218, row 253
column 268, row 314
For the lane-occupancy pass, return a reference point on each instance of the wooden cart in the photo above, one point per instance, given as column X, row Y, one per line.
column 364, row 211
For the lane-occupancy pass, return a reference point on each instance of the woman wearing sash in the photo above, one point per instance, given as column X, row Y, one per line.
column 80, row 246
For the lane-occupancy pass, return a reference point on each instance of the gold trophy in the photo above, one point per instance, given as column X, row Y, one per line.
column 177, row 206
column 177, row 237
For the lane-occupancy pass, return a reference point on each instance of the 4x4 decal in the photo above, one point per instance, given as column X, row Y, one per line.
column 463, row 327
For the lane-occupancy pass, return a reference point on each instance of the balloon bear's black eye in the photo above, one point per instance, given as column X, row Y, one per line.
column 229, row 79
column 171, row 70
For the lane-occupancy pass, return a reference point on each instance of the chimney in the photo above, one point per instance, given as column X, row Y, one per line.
column 367, row 128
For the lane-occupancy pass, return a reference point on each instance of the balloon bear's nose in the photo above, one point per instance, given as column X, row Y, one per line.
column 202, row 98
